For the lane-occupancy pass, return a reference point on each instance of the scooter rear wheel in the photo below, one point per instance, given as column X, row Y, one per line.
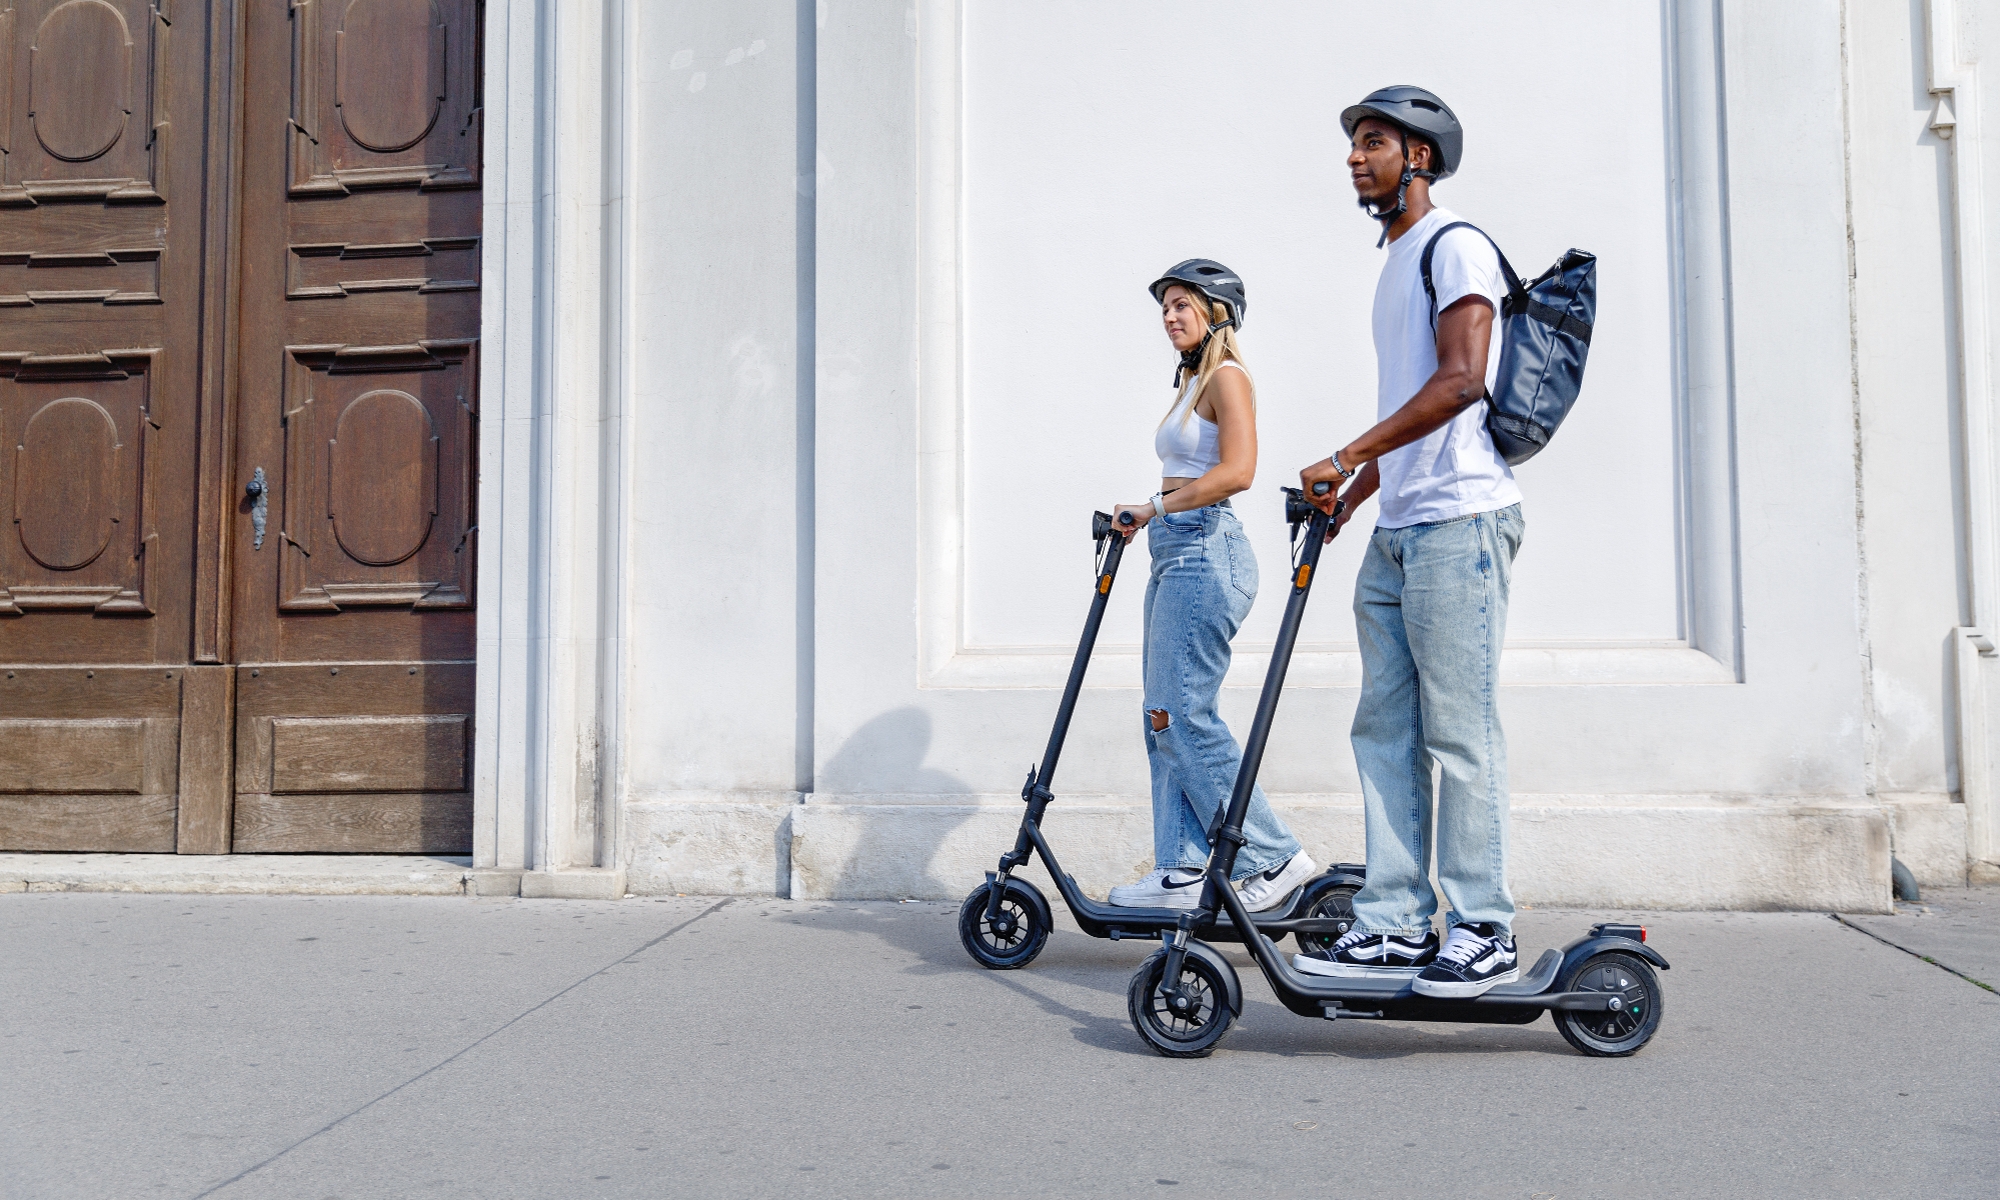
column 1188, row 1031
column 1016, row 938
column 1336, row 902
column 1612, row 1032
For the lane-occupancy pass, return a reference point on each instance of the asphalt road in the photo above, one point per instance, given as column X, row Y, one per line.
column 321, row 1048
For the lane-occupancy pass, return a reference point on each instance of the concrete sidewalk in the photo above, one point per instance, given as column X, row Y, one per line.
column 353, row 1047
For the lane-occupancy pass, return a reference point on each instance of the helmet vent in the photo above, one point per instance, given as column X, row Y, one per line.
column 1209, row 270
column 1426, row 105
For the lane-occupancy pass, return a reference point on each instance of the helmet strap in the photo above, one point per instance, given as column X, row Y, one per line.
column 1191, row 359
column 1391, row 216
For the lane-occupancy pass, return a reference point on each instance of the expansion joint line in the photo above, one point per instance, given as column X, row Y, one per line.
column 1913, row 954
column 330, row 1126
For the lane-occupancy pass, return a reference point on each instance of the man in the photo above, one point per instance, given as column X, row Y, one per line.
column 1430, row 603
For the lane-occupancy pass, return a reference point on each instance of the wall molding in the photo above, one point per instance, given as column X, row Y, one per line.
column 553, row 450
column 1956, row 117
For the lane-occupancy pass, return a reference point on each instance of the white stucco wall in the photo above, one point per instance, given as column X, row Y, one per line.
column 930, row 701
column 865, row 282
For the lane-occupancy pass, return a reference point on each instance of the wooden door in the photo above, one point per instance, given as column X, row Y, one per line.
column 109, row 738
column 352, row 619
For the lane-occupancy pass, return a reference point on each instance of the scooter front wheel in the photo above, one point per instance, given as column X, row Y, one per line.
column 1189, row 1017
column 1015, row 937
column 1612, row 1032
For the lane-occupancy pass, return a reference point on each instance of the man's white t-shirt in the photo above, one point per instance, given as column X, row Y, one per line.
column 1455, row 471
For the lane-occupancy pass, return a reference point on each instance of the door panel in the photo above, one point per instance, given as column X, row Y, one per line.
column 353, row 624
column 101, row 251
column 354, row 758
column 73, row 777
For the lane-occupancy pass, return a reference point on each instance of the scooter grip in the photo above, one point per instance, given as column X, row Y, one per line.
column 1125, row 518
column 1322, row 488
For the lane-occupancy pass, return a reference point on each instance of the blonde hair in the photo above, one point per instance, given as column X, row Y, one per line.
column 1222, row 348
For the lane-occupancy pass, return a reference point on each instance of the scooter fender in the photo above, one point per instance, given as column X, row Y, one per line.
column 1338, row 876
column 1575, row 954
column 1028, row 894
column 1233, row 996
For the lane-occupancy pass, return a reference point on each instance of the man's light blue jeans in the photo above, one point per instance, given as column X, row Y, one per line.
column 1203, row 582
column 1430, row 605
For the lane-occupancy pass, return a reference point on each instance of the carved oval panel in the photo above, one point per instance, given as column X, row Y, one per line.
column 66, row 483
column 382, row 477
column 390, row 64
column 79, row 79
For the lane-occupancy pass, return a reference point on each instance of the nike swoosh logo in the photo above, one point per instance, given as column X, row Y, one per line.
column 1167, row 881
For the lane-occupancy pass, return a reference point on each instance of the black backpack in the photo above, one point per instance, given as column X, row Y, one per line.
column 1544, row 339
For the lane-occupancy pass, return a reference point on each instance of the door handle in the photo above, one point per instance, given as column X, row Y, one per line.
column 260, row 507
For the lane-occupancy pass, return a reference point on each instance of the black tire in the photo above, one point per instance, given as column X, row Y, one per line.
column 1020, row 934
column 1613, row 1033
column 1192, row 1034
column 1336, row 901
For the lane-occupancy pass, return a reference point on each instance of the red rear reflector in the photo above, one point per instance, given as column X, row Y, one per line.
column 1642, row 933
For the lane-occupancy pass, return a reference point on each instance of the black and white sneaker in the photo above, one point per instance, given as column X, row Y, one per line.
column 1166, row 887
column 1474, row 958
column 1363, row 955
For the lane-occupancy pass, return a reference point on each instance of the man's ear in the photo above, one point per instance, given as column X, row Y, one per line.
column 1420, row 155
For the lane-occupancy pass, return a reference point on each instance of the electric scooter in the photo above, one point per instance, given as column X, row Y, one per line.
column 1005, row 922
column 1601, row 988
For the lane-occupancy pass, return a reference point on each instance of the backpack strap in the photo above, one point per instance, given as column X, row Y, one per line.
column 1517, row 293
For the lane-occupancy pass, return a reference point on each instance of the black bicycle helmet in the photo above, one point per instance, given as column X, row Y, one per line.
column 1416, row 111
column 1213, row 280
column 1410, row 110
column 1219, row 285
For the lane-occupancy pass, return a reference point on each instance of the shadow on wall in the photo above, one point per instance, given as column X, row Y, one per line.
column 843, row 842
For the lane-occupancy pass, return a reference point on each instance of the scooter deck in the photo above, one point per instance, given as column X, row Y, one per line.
column 1390, row 989
column 1117, row 922
column 1516, row 1003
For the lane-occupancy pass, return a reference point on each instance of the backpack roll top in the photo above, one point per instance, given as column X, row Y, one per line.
column 1544, row 332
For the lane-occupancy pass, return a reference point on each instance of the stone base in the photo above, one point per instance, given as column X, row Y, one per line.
column 1648, row 852
column 710, row 844
column 1927, row 831
column 576, row 883
column 275, row 874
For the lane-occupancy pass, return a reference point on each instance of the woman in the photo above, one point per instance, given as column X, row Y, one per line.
column 1203, row 582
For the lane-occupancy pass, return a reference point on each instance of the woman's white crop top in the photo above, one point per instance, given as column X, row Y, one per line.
column 1188, row 444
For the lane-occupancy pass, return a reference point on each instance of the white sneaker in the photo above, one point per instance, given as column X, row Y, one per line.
column 1166, row 887
column 1266, row 888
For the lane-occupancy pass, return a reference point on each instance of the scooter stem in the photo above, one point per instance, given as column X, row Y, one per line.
column 1101, row 527
column 1230, row 837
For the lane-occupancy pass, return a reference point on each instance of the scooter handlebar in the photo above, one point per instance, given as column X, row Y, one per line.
column 1298, row 510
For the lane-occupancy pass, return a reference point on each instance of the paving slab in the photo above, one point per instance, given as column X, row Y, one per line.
column 1956, row 927
column 356, row 1047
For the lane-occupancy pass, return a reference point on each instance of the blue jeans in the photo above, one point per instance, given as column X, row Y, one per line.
column 1430, row 605
column 1203, row 582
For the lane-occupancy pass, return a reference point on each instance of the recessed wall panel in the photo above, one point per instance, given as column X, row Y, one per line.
column 1094, row 156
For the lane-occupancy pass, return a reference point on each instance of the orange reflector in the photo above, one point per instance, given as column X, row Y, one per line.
column 1305, row 573
column 1104, row 586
